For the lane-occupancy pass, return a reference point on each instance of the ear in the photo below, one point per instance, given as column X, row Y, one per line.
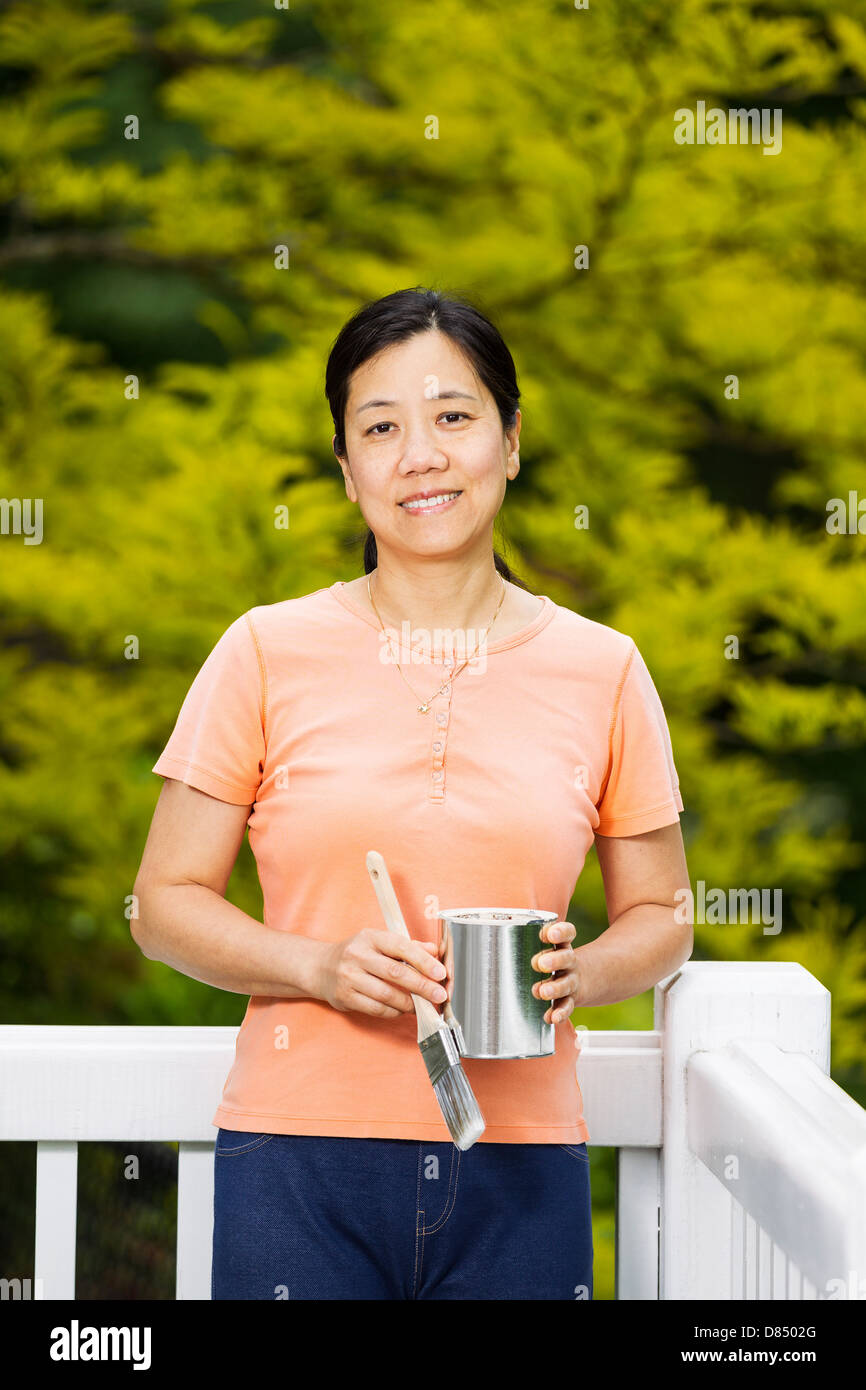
column 512, row 464
column 347, row 476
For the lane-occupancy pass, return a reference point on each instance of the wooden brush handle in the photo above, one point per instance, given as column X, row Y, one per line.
column 429, row 1018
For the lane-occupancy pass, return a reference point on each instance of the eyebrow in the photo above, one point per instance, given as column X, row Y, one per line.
column 443, row 396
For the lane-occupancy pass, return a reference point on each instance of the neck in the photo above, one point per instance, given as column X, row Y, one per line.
column 437, row 594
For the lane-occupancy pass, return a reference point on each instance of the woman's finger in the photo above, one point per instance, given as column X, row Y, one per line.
column 561, row 959
column 554, row 989
column 420, row 954
column 558, row 932
column 374, row 990
column 564, row 1009
column 404, row 978
column 404, row 965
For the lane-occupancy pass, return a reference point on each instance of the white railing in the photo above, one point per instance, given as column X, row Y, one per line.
column 763, row 1171
column 741, row 1167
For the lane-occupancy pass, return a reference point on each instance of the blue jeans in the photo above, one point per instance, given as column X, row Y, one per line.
column 307, row 1217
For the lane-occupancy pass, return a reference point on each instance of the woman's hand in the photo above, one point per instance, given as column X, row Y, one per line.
column 563, row 991
column 375, row 972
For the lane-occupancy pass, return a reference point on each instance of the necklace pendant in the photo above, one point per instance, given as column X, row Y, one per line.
column 422, row 709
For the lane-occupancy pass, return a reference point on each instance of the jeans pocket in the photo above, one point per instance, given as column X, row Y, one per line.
column 576, row 1151
column 233, row 1142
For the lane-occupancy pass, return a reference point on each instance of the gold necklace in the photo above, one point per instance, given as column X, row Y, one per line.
column 425, row 705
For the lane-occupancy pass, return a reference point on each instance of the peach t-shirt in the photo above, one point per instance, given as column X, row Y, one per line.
column 491, row 798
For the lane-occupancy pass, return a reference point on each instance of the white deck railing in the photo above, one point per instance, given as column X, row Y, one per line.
column 741, row 1167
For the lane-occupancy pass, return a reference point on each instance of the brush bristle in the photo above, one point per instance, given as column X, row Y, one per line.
column 459, row 1107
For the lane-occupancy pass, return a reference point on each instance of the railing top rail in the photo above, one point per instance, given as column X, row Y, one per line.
column 87, row 1082
column 789, row 1145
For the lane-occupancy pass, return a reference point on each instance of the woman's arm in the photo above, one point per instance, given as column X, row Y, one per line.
column 645, row 940
column 185, row 921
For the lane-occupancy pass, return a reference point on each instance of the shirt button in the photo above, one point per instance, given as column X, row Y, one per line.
column 437, row 747
column 437, row 776
column 441, row 718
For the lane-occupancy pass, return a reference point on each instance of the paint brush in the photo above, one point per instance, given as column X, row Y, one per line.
column 436, row 1040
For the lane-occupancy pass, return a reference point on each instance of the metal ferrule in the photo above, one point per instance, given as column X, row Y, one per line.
column 440, row 1053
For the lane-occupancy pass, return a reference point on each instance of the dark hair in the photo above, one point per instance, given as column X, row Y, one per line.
column 401, row 315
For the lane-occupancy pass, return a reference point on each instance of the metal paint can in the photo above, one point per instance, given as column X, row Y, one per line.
column 488, row 954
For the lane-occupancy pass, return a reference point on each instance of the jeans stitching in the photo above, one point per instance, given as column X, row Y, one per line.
column 452, row 1196
column 246, row 1148
column 419, row 1226
column 584, row 1158
column 213, row 1229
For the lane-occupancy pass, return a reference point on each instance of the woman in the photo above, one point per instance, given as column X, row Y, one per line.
column 482, row 757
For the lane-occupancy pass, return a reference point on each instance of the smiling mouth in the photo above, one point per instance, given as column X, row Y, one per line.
column 430, row 504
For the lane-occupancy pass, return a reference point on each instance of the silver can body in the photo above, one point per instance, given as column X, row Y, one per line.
column 488, row 952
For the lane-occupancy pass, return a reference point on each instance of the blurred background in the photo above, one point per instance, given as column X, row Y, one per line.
column 695, row 380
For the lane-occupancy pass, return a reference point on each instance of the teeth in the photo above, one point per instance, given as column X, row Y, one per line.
column 428, row 504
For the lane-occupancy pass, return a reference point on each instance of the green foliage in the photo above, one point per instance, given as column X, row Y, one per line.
column 306, row 128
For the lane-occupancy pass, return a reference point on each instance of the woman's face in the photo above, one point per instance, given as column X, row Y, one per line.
column 419, row 421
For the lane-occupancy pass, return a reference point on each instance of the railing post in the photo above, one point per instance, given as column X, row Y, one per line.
column 705, row 1005
column 56, row 1212
column 195, row 1185
column 637, row 1223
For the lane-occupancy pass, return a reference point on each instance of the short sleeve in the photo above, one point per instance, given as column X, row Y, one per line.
column 218, row 741
column 641, row 791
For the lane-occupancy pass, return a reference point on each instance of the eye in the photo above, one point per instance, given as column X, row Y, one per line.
column 383, row 425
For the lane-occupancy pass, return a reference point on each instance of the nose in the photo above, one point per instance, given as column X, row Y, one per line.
column 422, row 451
